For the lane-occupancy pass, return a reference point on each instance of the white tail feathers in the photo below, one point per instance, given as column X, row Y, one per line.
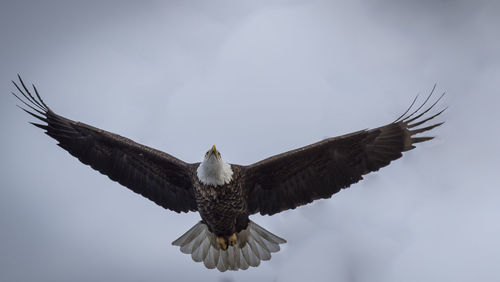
column 254, row 244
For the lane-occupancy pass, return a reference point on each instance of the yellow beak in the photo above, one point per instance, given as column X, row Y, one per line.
column 214, row 149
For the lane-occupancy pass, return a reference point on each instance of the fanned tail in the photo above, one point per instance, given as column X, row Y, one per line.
column 254, row 245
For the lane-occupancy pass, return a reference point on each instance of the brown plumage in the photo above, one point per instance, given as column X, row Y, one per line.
column 223, row 210
column 298, row 177
column 278, row 183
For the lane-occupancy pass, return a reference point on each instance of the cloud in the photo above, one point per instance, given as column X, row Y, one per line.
column 256, row 78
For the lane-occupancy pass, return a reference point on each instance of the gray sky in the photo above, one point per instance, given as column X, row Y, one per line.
column 256, row 78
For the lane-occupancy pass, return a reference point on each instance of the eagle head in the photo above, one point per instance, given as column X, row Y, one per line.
column 213, row 153
column 213, row 170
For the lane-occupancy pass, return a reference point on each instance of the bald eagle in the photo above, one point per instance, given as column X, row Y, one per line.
column 226, row 194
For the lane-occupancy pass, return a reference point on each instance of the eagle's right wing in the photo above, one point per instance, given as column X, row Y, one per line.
column 318, row 171
column 156, row 175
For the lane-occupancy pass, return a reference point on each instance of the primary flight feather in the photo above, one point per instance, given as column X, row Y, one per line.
column 226, row 194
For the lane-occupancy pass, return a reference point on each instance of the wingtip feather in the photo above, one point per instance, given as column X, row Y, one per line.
column 421, row 139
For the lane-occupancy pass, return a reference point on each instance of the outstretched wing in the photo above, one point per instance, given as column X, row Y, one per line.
column 298, row 177
column 156, row 175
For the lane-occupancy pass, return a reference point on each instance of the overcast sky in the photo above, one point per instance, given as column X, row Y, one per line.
column 255, row 78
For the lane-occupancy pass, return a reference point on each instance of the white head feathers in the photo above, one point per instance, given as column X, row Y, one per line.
column 213, row 170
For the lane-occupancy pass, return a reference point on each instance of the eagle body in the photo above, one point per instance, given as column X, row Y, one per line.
column 222, row 208
column 226, row 194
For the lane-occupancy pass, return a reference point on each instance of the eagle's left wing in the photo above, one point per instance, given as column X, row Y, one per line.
column 320, row 170
column 156, row 175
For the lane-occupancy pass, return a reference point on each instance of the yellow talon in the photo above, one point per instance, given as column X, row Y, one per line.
column 233, row 240
column 221, row 242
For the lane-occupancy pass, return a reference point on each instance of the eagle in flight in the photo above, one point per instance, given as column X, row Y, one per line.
column 226, row 194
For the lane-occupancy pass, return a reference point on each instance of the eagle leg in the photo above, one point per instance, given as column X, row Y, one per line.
column 221, row 242
column 232, row 240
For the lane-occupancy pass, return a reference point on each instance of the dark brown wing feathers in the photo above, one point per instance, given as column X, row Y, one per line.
column 320, row 170
column 275, row 184
column 158, row 176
